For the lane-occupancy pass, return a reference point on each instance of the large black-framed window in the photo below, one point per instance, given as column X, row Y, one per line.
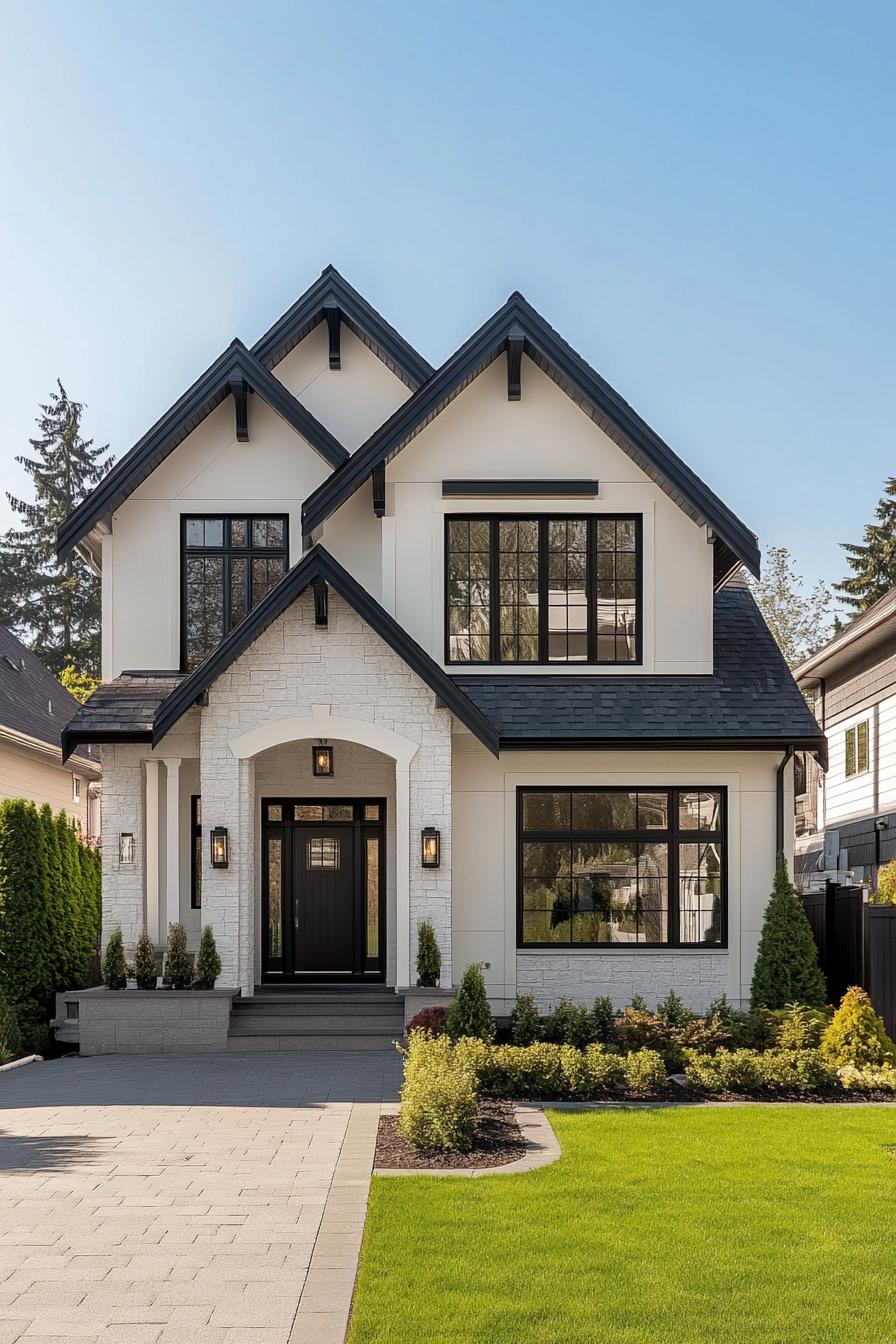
column 543, row 589
column 228, row 564
column 195, row 852
column 621, row 867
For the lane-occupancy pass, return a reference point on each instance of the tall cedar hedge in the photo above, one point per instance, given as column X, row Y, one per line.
column 49, row 910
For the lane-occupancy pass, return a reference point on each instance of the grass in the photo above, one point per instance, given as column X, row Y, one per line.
column 771, row 1224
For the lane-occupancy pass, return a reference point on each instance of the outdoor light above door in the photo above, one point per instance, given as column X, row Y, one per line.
column 220, row 847
column 431, row 844
column 322, row 759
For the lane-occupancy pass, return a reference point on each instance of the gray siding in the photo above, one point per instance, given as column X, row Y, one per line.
column 869, row 676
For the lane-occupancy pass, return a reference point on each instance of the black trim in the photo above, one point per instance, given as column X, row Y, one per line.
column 596, row 397
column 236, row 364
column 673, row 836
column 319, row 564
column 816, row 745
column 489, row 489
column 590, row 520
column 515, row 342
column 195, row 868
column 239, row 389
column 334, row 327
column 378, row 482
column 359, row 316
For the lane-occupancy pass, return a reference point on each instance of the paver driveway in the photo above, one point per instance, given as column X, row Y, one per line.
column 186, row 1200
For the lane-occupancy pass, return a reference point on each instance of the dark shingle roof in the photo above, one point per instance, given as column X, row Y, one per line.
column 751, row 696
column 31, row 699
column 121, row 710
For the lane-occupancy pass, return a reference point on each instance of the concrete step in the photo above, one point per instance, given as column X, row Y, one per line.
column 348, row 1006
column 266, row 1042
column 318, row 1026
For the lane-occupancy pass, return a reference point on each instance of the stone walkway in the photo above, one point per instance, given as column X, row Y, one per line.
column 214, row 1199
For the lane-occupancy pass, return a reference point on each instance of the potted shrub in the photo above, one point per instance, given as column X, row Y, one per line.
column 208, row 963
column 115, row 969
column 178, row 962
column 429, row 958
column 145, row 969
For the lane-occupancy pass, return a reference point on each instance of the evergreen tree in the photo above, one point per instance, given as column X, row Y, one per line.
column 786, row 969
column 178, row 962
column 71, row 893
column 146, row 971
column 469, row 1014
column 873, row 562
column 54, row 606
column 115, row 968
column 59, row 925
column 25, row 979
column 208, row 963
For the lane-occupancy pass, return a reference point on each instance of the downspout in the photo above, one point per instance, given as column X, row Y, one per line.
column 779, row 800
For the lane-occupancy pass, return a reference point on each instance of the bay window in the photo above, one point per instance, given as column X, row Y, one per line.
column 621, row 867
column 543, row 590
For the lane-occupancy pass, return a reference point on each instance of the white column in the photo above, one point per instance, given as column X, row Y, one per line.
column 172, row 845
column 152, row 851
column 403, row 875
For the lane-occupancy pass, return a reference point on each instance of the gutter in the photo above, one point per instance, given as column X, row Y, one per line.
column 779, row 801
column 25, row 742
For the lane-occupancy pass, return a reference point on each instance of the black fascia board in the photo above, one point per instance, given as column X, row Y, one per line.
column 547, row 349
column 360, row 317
column 71, row 738
column 319, row 564
column 207, row 393
column 816, row 745
column 566, row 489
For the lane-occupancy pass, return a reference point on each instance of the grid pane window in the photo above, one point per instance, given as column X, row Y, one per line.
column 600, row 867
column 542, row 590
column 224, row 576
column 857, row 749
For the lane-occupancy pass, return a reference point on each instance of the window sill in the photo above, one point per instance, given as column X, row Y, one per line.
column 614, row 949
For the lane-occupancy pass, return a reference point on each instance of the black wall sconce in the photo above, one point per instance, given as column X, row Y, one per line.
column 220, row 847
column 430, row 847
column 322, row 760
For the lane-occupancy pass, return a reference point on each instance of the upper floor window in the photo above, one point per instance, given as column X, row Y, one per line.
column 543, row 590
column 76, row 789
column 857, row 749
column 228, row 565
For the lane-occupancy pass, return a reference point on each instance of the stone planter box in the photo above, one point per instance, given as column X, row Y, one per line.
column 151, row 1021
column 416, row 998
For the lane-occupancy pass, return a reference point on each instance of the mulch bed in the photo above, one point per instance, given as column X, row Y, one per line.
column 498, row 1141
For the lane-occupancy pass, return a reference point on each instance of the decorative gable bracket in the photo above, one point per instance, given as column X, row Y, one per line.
column 378, row 481
column 320, row 601
column 239, row 389
column 515, row 343
column 334, row 327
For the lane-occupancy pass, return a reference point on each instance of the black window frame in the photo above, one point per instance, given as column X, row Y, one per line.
column 226, row 551
column 195, row 866
column 673, row 836
column 591, row 521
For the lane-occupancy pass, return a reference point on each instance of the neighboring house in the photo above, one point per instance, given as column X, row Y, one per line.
column 383, row 642
column 846, row 818
column 34, row 709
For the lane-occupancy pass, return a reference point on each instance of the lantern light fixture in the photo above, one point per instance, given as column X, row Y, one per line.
column 322, row 760
column 430, row 847
column 126, row 855
column 220, row 847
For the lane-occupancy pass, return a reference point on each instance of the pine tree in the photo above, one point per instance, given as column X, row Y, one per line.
column 873, row 562
column 115, row 968
column 178, row 962
column 469, row 1014
column 429, row 958
column 208, row 963
column 54, row 606
column 786, row 969
column 145, row 969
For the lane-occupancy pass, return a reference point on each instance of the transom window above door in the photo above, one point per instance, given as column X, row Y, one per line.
column 543, row 589
column 228, row 564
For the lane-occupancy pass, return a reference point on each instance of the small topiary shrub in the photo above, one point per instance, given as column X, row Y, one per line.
column 525, row 1020
column 885, row 894
column 429, row 958
column 569, row 1024
column 208, row 963
column 645, row 1072
column 469, row 1014
column 178, row 962
column 801, row 1028
column 10, row 1035
column 672, row 1012
column 786, row 969
column 438, row 1096
column 115, row 971
column 145, row 968
column 431, row 1020
column 857, row 1035
column 603, row 1018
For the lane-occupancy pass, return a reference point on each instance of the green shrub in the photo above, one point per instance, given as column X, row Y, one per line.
column 706, row 1034
column 885, row 894
column 473, row 1054
column 857, row 1035
column 178, row 962
column 726, row 1071
column 852, row 1079
column 145, row 969
column 605, row 1071
column 750, row 1073
column 532, row 1071
column 429, row 958
column 638, row 1004
column 603, row 1017
column 438, row 1096
column 786, row 969
column 639, row 1030
column 208, row 963
column 801, row 1071
column 801, row 1028
column 756, row 1030
column 672, row 1012
column 569, row 1024
column 10, row 1035
column 469, row 1014
column 26, row 960
column 525, row 1020
column 720, row 1011
column 115, row 973
column 645, row 1072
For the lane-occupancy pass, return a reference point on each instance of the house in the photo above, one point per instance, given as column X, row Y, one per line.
column 34, row 709
column 846, row 819
column 383, row 642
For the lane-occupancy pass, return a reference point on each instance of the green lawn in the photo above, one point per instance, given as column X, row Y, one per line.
column 770, row 1224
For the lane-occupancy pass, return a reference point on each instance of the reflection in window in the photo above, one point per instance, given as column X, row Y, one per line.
column 323, row 852
column 469, row 590
column 324, row 812
column 373, row 896
column 275, row 897
column 518, row 590
column 229, row 565
column 567, row 601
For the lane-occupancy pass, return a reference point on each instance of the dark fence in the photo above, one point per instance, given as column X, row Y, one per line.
column 856, row 945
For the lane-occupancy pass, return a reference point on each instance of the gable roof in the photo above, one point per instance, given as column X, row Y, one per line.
column 33, row 704
column 236, row 364
column 735, row 544
column 315, row 567
column 333, row 290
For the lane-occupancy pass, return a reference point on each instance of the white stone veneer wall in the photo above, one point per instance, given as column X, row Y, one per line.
column 696, row 977
column 123, row 808
column 291, row 670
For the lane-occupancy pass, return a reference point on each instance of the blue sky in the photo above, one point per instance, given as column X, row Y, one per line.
column 700, row 196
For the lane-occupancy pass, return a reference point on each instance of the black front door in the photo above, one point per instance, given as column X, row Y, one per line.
column 323, row 889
